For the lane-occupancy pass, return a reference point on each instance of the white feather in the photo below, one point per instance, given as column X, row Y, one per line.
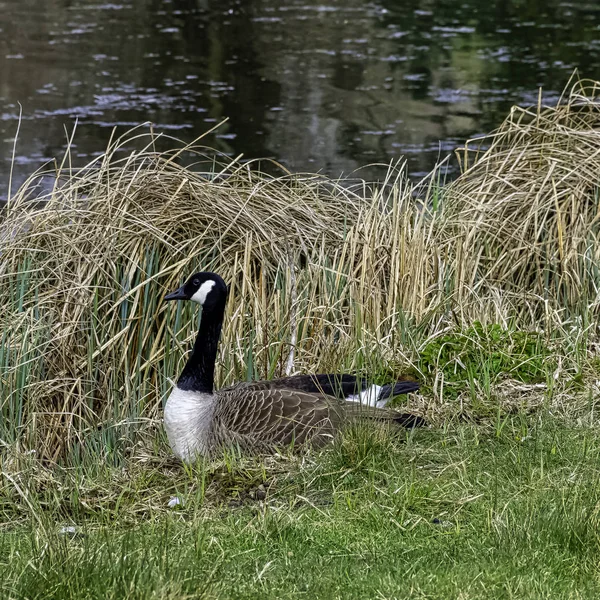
column 175, row 501
column 368, row 397
column 188, row 417
column 203, row 290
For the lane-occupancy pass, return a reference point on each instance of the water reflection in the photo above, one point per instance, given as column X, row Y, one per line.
column 326, row 87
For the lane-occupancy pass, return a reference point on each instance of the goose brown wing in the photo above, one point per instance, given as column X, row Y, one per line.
column 255, row 417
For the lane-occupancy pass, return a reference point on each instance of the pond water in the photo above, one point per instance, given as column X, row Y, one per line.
column 316, row 86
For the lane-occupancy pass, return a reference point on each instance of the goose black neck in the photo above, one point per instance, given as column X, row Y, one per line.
column 199, row 371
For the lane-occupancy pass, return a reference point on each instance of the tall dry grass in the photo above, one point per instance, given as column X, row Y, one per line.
column 524, row 216
column 348, row 277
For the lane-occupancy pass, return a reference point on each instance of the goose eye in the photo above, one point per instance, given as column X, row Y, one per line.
column 196, row 282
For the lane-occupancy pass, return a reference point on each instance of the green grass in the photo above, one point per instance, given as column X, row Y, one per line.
column 485, row 352
column 466, row 512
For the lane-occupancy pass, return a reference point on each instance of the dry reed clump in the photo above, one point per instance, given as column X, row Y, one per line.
column 88, row 347
column 523, row 217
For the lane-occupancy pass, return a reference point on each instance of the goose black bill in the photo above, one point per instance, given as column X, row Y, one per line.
column 178, row 294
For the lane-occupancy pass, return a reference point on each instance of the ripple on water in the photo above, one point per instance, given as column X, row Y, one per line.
column 331, row 86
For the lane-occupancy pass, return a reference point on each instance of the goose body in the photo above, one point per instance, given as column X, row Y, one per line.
column 262, row 415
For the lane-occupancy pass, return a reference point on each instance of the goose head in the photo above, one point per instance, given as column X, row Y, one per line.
column 205, row 288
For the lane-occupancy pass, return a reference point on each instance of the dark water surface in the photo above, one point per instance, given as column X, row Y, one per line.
column 320, row 87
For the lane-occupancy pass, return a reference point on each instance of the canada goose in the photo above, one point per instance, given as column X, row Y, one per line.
column 261, row 415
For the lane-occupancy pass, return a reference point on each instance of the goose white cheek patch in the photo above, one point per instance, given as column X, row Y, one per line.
column 203, row 291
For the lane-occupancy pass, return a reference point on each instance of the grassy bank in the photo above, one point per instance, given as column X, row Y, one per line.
column 466, row 513
column 485, row 289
